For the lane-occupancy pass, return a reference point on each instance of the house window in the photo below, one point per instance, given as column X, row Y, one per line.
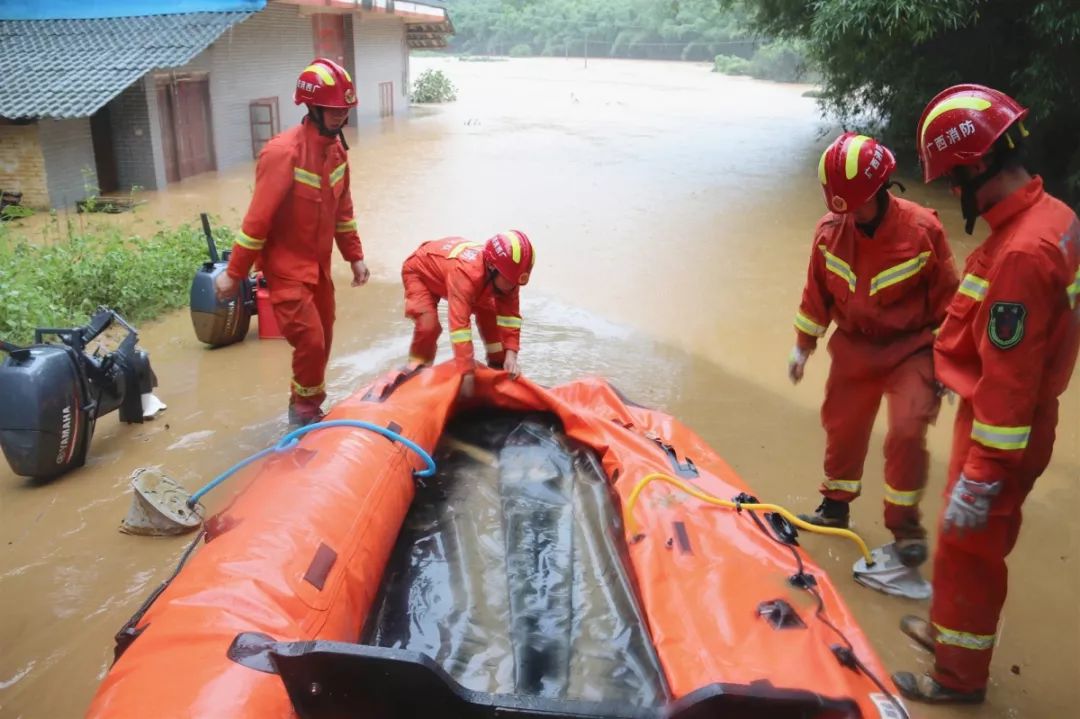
column 264, row 122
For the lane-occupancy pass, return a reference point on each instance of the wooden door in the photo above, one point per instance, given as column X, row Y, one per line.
column 195, row 142
column 187, row 138
column 386, row 99
column 168, row 132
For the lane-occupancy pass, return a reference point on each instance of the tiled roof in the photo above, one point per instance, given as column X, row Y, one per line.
column 71, row 68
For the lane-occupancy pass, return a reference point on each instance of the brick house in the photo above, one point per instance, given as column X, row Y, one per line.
column 114, row 94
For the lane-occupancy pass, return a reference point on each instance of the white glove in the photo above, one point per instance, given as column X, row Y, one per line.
column 796, row 364
column 969, row 505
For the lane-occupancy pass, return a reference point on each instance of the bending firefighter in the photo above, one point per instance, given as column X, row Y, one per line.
column 300, row 207
column 474, row 278
column 1007, row 348
column 880, row 268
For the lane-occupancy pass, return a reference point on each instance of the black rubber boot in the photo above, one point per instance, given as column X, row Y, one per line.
column 303, row 416
column 830, row 513
column 912, row 552
column 923, row 688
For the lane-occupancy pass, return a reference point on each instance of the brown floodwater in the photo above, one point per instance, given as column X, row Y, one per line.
column 672, row 210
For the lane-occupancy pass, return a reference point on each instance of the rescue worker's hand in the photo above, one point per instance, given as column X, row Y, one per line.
column 969, row 505
column 797, row 364
column 360, row 273
column 468, row 385
column 226, row 287
column 510, row 364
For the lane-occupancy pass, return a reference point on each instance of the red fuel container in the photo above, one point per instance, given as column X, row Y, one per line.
column 268, row 326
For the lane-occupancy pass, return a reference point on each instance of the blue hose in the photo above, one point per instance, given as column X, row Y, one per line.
column 293, row 438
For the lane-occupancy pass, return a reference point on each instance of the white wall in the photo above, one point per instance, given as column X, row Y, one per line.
column 260, row 57
column 381, row 56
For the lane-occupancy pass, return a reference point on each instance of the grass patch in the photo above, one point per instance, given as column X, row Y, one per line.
column 60, row 285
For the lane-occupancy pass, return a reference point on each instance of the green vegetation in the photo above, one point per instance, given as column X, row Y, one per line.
column 433, row 86
column 60, row 285
column 888, row 58
column 731, row 65
column 15, row 212
column 656, row 29
column 781, row 60
column 95, row 203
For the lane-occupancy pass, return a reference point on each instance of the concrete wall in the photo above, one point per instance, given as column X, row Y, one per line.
column 69, row 151
column 129, row 116
column 22, row 164
column 260, row 57
column 381, row 56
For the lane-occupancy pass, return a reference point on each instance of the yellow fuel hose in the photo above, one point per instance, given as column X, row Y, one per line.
column 631, row 525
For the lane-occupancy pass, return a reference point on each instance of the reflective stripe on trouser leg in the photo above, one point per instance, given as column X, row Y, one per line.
column 912, row 405
column 296, row 309
column 970, row 575
column 847, row 414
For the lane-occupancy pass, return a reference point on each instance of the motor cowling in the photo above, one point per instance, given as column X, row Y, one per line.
column 46, row 420
column 53, row 394
column 220, row 323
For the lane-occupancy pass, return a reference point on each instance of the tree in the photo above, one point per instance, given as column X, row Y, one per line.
column 663, row 29
column 887, row 58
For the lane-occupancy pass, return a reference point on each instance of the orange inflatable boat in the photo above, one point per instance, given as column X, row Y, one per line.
column 562, row 562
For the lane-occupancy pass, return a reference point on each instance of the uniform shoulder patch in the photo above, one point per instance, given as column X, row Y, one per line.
column 1006, row 324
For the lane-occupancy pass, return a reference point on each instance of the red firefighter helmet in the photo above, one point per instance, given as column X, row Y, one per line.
column 852, row 169
column 324, row 83
column 511, row 255
column 961, row 124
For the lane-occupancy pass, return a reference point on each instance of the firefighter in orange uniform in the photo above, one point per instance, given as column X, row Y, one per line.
column 1007, row 348
column 481, row 279
column 301, row 205
column 881, row 269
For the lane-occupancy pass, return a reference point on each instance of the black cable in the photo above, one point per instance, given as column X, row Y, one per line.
column 820, row 615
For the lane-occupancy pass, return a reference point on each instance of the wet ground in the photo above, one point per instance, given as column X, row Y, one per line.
column 672, row 210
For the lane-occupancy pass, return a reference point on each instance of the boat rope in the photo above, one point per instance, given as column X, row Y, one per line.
column 631, row 524
column 291, row 439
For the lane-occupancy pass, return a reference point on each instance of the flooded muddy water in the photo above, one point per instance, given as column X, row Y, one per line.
column 672, row 211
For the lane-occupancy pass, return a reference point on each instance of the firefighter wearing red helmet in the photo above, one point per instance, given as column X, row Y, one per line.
column 301, row 206
column 474, row 278
column 1007, row 347
column 881, row 269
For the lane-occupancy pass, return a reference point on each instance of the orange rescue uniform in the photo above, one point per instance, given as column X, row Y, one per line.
column 301, row 205
column 1008, row 348
column 453, row 269
column 887, row 294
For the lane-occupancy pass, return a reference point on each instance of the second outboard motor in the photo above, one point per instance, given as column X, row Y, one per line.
column 54, row 393
column 219, row 323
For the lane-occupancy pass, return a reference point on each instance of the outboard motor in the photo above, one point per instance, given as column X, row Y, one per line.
column 219, row 323
column 53, row 393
